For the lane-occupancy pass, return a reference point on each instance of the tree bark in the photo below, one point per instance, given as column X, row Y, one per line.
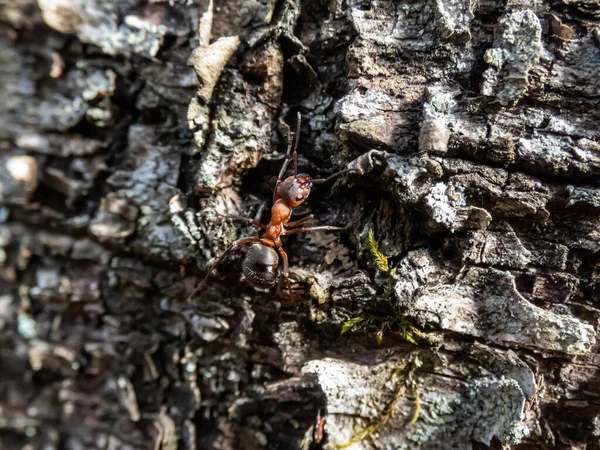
column 457, row 310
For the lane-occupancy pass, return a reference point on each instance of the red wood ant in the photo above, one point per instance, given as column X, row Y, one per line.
column 261, row 263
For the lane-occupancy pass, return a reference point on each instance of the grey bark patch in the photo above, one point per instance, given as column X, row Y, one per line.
column 115, row 220
column 240, row 133
column 372, row 119
column 517, row 49
column 485, row 303
column 411, row 180
column 452, row 412
column 584, row 195
column 18, row 178
column 572, row 71
column 208, row 61
column 97, row 22
column 454, row 18
column 494, row 249
column 548, row 254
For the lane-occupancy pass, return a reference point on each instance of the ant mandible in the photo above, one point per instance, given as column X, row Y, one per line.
column 261, row 263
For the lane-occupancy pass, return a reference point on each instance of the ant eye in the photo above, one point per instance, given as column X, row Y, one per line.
column 299, row 198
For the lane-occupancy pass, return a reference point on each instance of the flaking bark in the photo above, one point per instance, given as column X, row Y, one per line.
column 467, row 320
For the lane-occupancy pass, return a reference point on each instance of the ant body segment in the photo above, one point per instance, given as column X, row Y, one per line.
column 261, row 262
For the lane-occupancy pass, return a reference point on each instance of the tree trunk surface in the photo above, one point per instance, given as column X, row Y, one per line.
column 456, row 310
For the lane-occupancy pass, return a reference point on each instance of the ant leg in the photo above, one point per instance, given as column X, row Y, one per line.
column 233, row 246
column 297, row 223
column 309, row 229
column 256, row 223
column 285, row 271
column 291, row 297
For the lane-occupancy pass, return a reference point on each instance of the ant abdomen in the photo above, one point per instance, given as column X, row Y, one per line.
column 260, row 266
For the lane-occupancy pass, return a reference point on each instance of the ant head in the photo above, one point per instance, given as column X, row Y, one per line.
column 295, row 189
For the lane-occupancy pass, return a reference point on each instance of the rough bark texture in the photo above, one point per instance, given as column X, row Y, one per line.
column 466, row 318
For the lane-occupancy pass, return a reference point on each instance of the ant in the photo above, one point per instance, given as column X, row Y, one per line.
column 261, row 263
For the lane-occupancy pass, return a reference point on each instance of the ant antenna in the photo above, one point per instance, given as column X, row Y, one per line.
column 296, row 142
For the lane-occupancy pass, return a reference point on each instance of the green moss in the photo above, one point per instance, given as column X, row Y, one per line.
column 349, row 324
column 381, row 260
column 372, row 323
column 415, row 416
